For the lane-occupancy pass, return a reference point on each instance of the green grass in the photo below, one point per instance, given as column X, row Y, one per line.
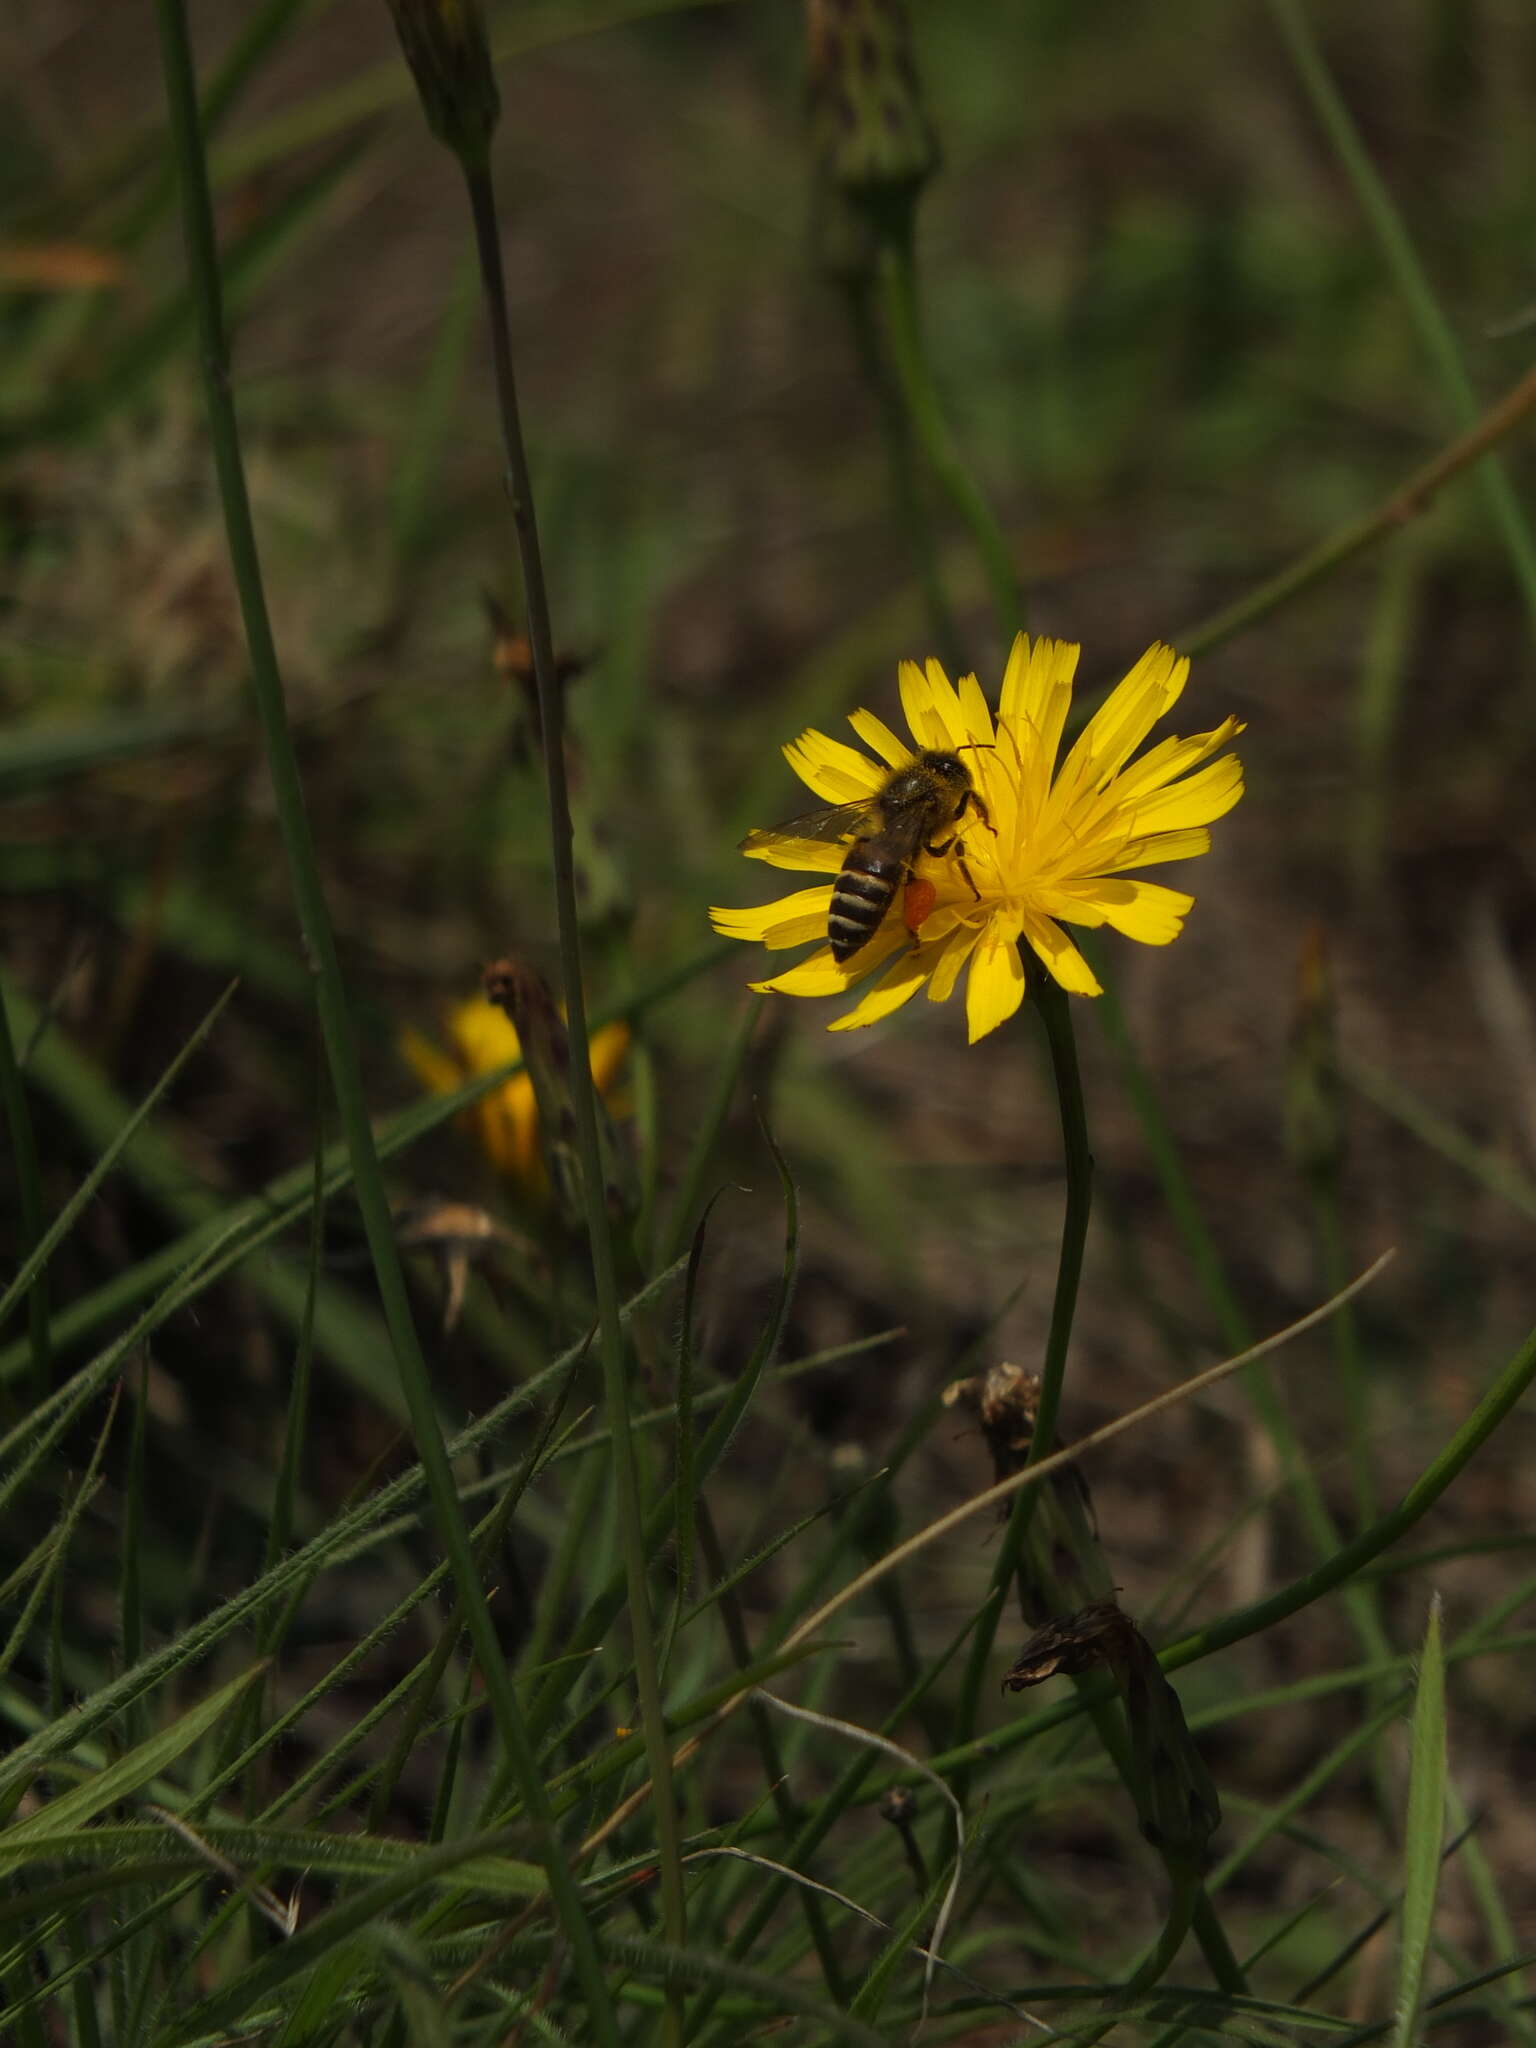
column 440, row 1612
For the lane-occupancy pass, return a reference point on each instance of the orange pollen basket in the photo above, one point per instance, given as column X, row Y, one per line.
column 917, row 904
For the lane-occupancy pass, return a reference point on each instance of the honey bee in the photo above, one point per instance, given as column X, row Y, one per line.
column 890, row 829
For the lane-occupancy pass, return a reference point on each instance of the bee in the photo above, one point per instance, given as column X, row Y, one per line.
column 890, row 829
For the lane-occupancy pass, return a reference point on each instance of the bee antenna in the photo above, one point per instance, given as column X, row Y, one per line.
column 977, row 746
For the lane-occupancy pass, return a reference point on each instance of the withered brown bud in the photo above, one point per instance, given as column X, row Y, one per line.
column 1066, row 1649
column 445, row 46
column 517, row 987
column 512, row 658
column 898, row 1805
column 1064, row 1568
column 1176, row 1802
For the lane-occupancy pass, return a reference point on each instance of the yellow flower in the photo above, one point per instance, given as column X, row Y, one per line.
column 1052, row 850
column 506, row 1120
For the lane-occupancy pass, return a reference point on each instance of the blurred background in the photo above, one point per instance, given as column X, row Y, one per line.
column 1173, row 350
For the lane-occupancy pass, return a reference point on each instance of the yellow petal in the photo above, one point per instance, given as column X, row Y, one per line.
column 946, row 705
column 1067, row 965
column 1199, row 799
column 506, row 1123
column 917, row 705
column 954, row 951
column 483, row 1035
column 975, row 713
column 1036, row 695
column 1140, row 910
column 1159, row 846
column 806, row 906
column 609, row 1046
column 1076, row 901
column 839, row 774
column 877, row 736
column 1174, row 757
column 1127, row 715
column 431, row 1066
column 788, row 850
column 893, row 989
column 820, row 975
column 994, row 988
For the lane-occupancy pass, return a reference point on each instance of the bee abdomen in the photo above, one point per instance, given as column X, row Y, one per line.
column 860, row 898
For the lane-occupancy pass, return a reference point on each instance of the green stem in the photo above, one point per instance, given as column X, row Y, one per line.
column 896, row 427
column 29, row 1199
column 331, row 999
column 482, row 201
column 1405, row 503
column 898, row 284
column 1344, row 1336
column 1053, row 1005
column 1183, row 1906
column 1386, row 223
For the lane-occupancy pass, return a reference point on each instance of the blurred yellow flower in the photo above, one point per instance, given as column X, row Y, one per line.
column 505, row 1121
column 1051, row 848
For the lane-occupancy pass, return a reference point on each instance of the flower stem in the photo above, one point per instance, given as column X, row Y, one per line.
column 898, row 285
column 1053, row 1005
column 482, row 201
column 1341, row 546
column 896, row 427
column 331, row 999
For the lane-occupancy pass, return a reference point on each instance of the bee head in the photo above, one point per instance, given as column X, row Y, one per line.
column 948, row 768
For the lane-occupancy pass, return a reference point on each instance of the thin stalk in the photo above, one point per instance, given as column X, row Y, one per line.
column 1386, row 223
column 1344, row 1337
column 29, row 1200
column 331, row 998
column 1404, row 505
column 1390, row 638
column 906, row 488
column 1053, row 1005
column 898, row 287
column 482, row 201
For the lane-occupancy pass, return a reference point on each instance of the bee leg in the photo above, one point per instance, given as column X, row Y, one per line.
column 950, row 846
column 973, row 800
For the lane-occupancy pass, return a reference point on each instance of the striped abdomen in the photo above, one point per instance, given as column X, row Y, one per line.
column 862, row 895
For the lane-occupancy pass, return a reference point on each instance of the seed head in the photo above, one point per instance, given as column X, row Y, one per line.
column 445, row 46
column 870, row 131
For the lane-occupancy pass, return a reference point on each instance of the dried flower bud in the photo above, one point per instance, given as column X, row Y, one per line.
column 898, row 1805
column 1176, row 1802
column 1314, row 1122
column 870, row 131
column 1064, row 1569
column 1071, row 1647
column 444, row 44
column 512, row 658
column 520, row 990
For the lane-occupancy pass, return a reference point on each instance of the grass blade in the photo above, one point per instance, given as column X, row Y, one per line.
column 1424, row 1834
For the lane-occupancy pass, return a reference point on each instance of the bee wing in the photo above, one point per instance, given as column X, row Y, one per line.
column 839, row 821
